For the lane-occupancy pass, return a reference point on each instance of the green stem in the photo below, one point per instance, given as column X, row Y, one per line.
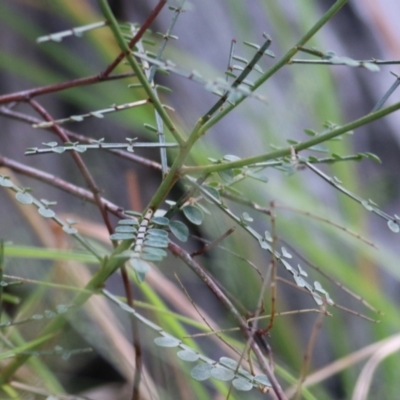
column 108, row 267
column 277, row 66
column 138, row 71
column 298, row 147
column 204, row 123
column 175, row 170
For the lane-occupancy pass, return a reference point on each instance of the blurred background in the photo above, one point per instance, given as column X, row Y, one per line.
column 299, row 97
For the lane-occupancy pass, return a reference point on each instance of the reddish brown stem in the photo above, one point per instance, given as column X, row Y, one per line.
column 216, row 242
column 59, row 183
column 79, row 162
column 26, row 95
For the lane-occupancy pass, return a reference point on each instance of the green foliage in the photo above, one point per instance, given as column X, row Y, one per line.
column 217, row 194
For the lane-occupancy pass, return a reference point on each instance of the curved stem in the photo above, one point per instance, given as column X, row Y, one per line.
column 373, row 116
column 105, row 8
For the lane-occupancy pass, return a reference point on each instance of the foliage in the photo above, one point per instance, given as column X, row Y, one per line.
column 255, row 249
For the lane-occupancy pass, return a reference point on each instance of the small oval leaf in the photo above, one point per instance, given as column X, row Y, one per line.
column 155, row 250
column 46, row 212
column 285, row 253
column 125, row 229
column 222, row 373
column 166, row 341
column 228, row 176
column 242, row 384
column 160, row 221
column 61, row 309
column 97, row 114
column 179, row 230
column 366, row 205
column 151, row 257
column 24, row 198
column 393, row 226
column 133, row 222
column 262, row 380
column 228, row 362
column 201, row 372
column 157, row 233
column 139, row 266
column 5, row 181
column 188, row 355
column 50, row 144
column 122, row 236
column 246, row 217
column 193, row 214
column 156, row 242
column 69, row 229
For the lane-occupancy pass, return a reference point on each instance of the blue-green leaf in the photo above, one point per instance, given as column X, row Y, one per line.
column 242, row 384
column 228, row 175
column 46, row 212
column 125, row 229
column 262, row 380
column 393, row 226
column 166, row 341
column 156, row 242
column 201, row 372
column 122, row 236
column 159, row 233
column 160, row 221
column 128, row 222
column 193, row 214
column 24, row 198
column 179, row 230
column 5, row 181
column 221, row 373
column 188, row 355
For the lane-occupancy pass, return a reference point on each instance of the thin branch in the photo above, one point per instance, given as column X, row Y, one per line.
column 82, row 139
column 79, row 162
column 334, row 281
column 26, row 95
column 138, row 71
column 60, row 184
column 273, row 269
column 310, row 346
column 135, row 39
column 202, row 317
column 214, row 243
column 329, row 62
column 205, row 124
column 203, row 275
column 287, row 151
column 390, row 91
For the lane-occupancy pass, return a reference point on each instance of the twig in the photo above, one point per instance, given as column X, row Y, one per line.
column 310, row 346
column 60, row 183
column 135, row 39
column 334, row 281
column 105, row 8
column 79, row 162
column 203, row 275
column 26, row 95
column 273, row 269
column 214, row 243
column 201, row 315
column 82, row 139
